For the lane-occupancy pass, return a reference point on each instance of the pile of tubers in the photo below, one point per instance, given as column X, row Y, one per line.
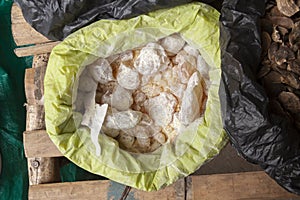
column 279, row 72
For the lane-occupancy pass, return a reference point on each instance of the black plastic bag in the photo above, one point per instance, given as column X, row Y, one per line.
column 260, row 137
column 57, row 19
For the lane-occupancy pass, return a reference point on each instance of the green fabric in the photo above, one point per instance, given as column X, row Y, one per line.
column 198, row 25
column 14, row 176
column 71, row 173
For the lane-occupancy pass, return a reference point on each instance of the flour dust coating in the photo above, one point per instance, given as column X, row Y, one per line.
column 153, row 93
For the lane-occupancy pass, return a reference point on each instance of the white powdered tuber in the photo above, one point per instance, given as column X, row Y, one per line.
column 128, row 78
column 149, row 95
column 151, row 59
column 104, row 94
column 178, row 90
column 143, row 139
column 126, row 140
column 185, row 66
column 161, row 108
column 141, row 133
column 172, row 44
column 183, row 57
column 123, row 120
column 121, row 99
column 128, row 55
column 160, row 137
column 110, row 132
column 152, row 90
column 202, row 66
column 191, row 51
column 139, row 97
column 191, row 101
column 101, row 71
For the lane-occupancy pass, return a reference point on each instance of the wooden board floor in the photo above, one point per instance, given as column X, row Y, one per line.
column 236, row 186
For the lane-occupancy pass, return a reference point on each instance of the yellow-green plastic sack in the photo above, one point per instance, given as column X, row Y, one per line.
column 197, row 23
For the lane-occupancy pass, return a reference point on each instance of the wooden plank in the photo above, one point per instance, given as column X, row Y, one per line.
column 40, row 60
column 70, row 190
column 236, row 186
column 34, row 50
column 40, row 169
column 43, row 170
column 23, row 33
column 35, row 117
column 29, row 85
column 34, row 80
column 90, row 190
column 38, row 144
column 17, row 15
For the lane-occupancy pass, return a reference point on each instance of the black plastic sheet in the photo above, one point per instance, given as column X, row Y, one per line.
column 260, row 137
column 57, row 19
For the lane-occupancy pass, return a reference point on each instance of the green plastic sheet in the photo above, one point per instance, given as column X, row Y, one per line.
column 197, row 23
column 14, row 175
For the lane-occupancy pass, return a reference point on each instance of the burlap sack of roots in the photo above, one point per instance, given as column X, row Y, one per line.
column 197, row 24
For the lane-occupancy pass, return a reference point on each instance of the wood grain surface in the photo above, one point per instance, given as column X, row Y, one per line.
column 30, row 41
column 101, row 190
column 236, row 186
column 40, row 169
column 23, row 33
